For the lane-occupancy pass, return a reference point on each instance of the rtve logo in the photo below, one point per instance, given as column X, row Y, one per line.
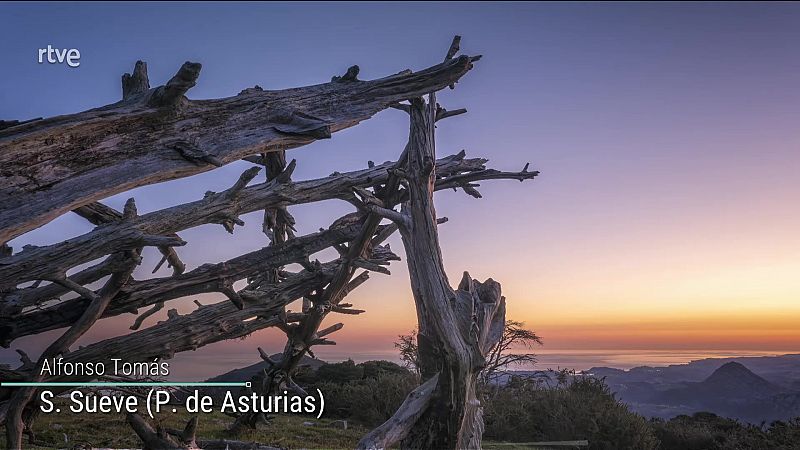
column 72, row 57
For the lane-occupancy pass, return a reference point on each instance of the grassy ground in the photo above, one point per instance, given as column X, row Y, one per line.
column 66, row 429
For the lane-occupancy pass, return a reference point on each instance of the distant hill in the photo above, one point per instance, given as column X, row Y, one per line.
column 783, row 370
column 729, row 387
column 732, row 378
column 245, row 373
column 730, row 383
column 248, row 372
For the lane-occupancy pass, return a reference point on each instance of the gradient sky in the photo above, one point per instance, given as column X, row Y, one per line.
column 666, row 214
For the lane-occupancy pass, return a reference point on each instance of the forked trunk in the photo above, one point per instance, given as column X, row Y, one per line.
column 456, row 327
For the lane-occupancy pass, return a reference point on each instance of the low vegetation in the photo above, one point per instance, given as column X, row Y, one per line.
column 706, row 431
column 576, row 408
column 79, row 431
column 563, row 407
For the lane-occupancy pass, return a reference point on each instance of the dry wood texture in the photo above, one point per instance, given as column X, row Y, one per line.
column 457, row 327
column 68, row 163
column 53, row 165
column 150, row 229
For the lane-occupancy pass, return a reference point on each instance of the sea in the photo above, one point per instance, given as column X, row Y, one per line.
column 196, row 366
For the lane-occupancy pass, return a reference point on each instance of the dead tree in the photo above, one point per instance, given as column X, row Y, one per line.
column 51, row 166
column 68, row 163
column 457, row 327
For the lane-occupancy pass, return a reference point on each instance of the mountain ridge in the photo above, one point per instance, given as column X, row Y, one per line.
column 751, row 389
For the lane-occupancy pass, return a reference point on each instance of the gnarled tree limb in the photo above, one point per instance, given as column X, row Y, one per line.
column 22, row 396
column 206, row 278
column 99, row 214
column 399, row 425
column 148, row 229
column 54, row 165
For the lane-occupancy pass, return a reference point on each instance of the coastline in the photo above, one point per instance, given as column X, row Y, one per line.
column 194, row 367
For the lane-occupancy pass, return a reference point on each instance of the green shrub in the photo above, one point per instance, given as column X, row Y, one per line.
column 370, row 401
column 524, row 410
column 374, row 369
column 527, row 410
column 342, row 372
column 707, row 431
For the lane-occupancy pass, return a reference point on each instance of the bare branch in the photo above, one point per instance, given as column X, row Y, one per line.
column 98, row 214
column 241, row 183
column 397, row 217
column 331, row 329
column 206, row 278
column 399, row 425
column 442, row 113
column 266, row 357
column 227, row 129
column 171, row 93
column 41, row 262
column 141, row 318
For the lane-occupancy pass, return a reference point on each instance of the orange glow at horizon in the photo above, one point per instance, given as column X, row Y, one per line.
column 665, row 215
column 715, row 297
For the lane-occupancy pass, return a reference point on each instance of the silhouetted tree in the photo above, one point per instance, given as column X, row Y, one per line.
column 407, row 346
column 499, row 358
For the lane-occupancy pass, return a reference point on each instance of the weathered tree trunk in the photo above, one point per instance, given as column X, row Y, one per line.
column 451, row 323
column 457, row 328
column 54, row 165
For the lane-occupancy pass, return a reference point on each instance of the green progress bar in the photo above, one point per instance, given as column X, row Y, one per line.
column 124, row 384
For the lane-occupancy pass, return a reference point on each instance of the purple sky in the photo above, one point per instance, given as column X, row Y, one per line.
column 667, row 136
